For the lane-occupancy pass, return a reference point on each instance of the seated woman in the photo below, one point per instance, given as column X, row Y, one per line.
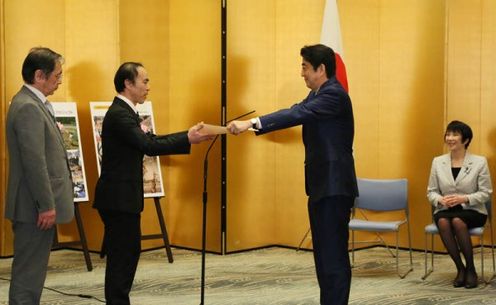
column 459, row 187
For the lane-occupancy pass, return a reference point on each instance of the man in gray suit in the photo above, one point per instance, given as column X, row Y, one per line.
column 39, row 193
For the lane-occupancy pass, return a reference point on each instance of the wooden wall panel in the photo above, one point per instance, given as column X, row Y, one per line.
column 194, row 96
column 411, row 104
column 148, row 43
column 5, row 240
column 89, row 74
column 471, row 74
column 488, row 88
column 408, row 77
column 19, row 37
column 464, row 65
column 297, row 24
column 251, row 77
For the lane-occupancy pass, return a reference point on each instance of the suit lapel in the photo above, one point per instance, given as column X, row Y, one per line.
column 40, row 103
column 446, row 168
column 124, row 105
column 466, row 167
column 47, row 113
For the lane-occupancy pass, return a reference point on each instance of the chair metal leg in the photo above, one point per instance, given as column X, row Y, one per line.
column 402, row 276
column 410, row 244
column 385, row 244
column 490, row 278
column 303, row 239
column 397, row 258
column 427, row 271
column 352, row 248
column 492, row 253
column 482, row 259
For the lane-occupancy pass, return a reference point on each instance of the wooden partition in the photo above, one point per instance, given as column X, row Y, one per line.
column 194, row 96
column 4, row 236
column 413, row 65
column 471, row 77
column 394, row 52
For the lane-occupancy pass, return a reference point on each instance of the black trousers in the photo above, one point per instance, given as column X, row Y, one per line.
column 329, row 218
column 122, row 244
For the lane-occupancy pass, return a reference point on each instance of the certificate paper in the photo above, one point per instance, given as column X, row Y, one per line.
column 213, row 129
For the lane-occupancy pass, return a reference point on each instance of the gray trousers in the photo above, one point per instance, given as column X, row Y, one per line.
column 31, row 252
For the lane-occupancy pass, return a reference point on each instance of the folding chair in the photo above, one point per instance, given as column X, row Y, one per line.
column 478, row 231
column 384, row 196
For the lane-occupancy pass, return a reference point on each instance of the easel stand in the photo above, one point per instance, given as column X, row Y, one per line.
column 82, row 238
column 163, row 235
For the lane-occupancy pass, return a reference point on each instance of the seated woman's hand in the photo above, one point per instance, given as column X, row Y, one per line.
column 453, row 200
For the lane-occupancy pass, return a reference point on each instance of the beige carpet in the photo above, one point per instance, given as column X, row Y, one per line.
column 266, row 277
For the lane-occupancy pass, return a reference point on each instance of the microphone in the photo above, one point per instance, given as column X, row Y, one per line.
column 241, row 116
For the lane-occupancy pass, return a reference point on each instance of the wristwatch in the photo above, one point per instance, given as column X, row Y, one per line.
column 253, row 123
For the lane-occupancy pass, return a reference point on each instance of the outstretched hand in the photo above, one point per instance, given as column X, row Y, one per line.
column 195, row 135
column 237, row 127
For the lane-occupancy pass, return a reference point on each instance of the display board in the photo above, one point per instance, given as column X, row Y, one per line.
column 152, row 174
column 67, row 120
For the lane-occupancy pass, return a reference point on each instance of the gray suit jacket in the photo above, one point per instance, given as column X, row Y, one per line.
column 474, row 180
column 39, row 175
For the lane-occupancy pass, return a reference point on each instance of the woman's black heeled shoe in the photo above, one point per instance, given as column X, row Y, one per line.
column 471, row 280
column 459, row 280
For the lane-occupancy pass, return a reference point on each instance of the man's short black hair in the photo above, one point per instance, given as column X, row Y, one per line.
column 320, row 54
column 463, row 129
column 129, row 71
column 39, row 58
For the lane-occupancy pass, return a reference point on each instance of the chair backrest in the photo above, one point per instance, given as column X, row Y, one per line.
column 382, row 194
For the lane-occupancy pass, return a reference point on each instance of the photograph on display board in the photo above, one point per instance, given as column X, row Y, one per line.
column 67, row 120
column 152, row 174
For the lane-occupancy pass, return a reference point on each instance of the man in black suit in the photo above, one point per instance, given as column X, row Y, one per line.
column 330, row 181
column 119, row 190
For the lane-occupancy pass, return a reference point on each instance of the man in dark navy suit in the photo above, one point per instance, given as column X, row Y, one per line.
column 119, row 190
column 330, row 180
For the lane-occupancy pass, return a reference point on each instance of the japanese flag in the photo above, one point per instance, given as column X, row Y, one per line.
column 331, row 37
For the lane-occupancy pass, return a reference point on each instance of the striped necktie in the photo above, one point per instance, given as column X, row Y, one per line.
column 49, row 107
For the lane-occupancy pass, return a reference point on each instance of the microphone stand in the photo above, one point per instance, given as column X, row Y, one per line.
column 204, row 200
column 204, row 223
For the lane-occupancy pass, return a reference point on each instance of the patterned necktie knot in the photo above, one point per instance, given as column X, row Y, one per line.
column 49, row 107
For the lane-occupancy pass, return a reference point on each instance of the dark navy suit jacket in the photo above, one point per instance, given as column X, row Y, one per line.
column 120, row 186
column 328, row 130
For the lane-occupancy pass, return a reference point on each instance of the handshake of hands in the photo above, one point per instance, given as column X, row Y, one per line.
column 204, row 132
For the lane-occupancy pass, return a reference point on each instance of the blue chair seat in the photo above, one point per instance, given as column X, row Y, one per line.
column 376, row 226
column 431, row 229
column 476, row 231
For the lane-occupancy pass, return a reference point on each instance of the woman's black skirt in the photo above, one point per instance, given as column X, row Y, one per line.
column 470, row 217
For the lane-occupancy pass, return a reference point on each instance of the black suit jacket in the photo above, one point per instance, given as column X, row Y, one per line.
column 328, row 130
column 120, row 186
